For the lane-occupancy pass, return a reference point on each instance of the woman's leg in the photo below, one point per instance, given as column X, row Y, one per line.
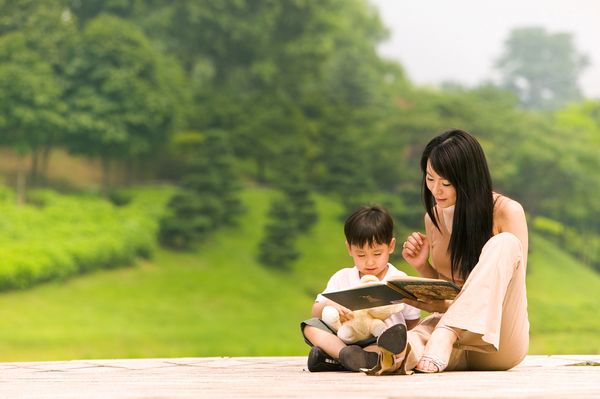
column 438, row 350
column 406, row 361
column 490, row 313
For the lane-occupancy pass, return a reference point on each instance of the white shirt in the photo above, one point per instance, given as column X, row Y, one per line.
column 350, row 277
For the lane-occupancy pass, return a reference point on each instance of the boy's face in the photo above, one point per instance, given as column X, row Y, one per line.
column 372, row 259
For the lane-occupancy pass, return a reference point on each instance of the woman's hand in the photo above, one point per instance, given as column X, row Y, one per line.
column 431, row 306
column 415, row 250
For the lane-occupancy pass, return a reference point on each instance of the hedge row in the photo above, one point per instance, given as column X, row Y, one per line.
column 61, row 235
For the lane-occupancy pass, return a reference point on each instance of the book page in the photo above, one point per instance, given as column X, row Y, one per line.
column 427, row 289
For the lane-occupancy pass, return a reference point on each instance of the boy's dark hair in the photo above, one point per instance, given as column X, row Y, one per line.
column 369, row 224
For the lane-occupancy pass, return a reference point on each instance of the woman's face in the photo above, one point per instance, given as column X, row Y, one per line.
column 441, row 189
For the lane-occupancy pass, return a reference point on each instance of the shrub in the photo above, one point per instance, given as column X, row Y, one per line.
column 75, row 234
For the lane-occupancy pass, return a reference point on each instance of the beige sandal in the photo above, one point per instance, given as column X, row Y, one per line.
column 439, row 364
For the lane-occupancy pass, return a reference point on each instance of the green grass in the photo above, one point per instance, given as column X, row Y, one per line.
column 563, row 302
column 214, row 301
column 218, row 301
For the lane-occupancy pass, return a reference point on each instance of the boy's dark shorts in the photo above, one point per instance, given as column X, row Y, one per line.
column 318, row 323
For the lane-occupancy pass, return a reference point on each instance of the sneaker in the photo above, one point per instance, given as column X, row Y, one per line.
column 393, row 339
column 355, row 358
column 318, row 360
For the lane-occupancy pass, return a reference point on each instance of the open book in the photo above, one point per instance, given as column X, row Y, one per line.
column 393, row 291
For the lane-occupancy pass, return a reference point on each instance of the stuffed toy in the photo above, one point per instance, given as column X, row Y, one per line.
column 366, row 322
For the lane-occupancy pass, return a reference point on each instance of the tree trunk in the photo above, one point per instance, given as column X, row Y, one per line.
column 45, row 160
column 261, row 170
column 105, row 189
column 129, row 171
column 21, row 179
column 33, row 174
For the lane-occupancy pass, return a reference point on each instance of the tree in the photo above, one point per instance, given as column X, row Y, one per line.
column 292, row 212
column 302, row 204
column 541, row 68
column 297, row 191
column 30, row 105
column 48, row 30
column 208, row 197
column 277, row 248
column 273, row 74
column 125, row 96
column 578, row 137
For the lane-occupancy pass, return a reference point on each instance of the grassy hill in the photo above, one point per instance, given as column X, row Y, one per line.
column 218, row 301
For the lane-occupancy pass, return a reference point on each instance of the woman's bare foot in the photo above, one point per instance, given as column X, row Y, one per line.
column 438, row 350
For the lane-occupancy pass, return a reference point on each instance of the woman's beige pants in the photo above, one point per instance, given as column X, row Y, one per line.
column 490, row 312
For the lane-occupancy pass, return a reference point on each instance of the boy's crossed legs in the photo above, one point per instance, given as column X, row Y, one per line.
column 332, row 354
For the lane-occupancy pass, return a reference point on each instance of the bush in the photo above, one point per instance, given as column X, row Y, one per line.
column 75, row 234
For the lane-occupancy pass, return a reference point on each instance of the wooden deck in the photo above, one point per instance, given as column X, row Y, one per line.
column 287, row 377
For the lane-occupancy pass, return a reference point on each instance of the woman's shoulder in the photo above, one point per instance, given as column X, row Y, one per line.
column 427, row 219
column 506, row 208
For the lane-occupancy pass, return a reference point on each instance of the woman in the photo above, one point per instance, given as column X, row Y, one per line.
column 478, row 239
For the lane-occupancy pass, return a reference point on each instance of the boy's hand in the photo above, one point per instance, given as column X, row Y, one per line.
column 416, row 250
column 431, row 306
column 345, row 313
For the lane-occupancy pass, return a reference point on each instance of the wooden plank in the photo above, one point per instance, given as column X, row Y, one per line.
column 287, row 377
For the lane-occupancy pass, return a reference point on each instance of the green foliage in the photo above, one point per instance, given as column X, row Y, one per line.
column 292, row 214
column 548, row 226
column 266, row 71
column 299, row 93
column 302, row 205
column 48, row 27
column 30, row 101
column 120, row 197
column 541, row 68
column 579, row 140
column 208, row 198
column 584, row 245
column 66, row 235
column 31, row 108
column 125, row 96
column 278, row 249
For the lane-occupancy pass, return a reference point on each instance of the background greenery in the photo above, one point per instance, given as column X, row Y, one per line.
column 215, row 149
column 203, row 303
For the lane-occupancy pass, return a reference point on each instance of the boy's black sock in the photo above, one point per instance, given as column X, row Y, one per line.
column 354, row 358
column 318, row 360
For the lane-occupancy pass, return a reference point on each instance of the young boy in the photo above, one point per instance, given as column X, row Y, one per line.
column 370, row 241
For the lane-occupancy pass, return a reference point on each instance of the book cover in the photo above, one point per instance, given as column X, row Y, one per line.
column 366, row 297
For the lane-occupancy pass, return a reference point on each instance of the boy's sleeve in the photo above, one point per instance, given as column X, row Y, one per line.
column 332, row 285
column 411, row 313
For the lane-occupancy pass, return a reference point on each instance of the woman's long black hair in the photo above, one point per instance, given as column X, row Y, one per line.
column 458, row 157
